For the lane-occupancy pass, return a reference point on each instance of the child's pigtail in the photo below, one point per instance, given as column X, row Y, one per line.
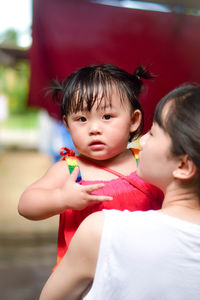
column 56, row 90
column 141, row 73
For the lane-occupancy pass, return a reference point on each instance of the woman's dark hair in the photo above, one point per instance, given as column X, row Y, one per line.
column 182, row 121
column 90, row 84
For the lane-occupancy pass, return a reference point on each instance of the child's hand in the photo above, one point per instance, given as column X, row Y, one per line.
column 78, row 196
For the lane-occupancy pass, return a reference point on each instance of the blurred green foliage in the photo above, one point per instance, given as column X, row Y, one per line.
column 14, row 83
column 29, row 120
column 9, row 37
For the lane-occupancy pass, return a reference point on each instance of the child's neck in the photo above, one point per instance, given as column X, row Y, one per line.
column 123, row 163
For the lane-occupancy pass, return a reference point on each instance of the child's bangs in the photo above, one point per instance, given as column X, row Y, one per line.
column 86, row 96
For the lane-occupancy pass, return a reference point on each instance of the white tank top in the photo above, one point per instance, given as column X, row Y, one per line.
column 147, row 256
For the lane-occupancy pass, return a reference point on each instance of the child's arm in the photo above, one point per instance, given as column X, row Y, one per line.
column 55, row 192
column 76, row 271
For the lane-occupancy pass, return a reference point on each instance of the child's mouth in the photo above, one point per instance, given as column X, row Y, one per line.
column 96, row 145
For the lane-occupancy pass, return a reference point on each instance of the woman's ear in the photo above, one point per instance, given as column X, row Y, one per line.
column 136, row 119
column 65, row 122
column 186, row 169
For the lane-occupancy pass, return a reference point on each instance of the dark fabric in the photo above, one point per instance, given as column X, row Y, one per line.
column 70, row 34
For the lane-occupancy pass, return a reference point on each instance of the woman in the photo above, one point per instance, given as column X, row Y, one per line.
column 159, row 258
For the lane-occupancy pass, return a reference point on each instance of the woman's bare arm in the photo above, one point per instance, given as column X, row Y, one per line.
column 76, row 271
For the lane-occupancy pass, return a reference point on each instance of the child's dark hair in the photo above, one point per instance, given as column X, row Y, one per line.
column 182, row 121
column 93, row 83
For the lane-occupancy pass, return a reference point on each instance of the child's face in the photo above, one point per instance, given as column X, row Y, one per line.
column 103, row 132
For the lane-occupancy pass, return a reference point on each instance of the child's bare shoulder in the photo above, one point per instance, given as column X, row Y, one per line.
column 60, row 168
column 56, row 172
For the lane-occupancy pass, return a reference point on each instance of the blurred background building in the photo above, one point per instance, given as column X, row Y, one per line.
column 57, row 38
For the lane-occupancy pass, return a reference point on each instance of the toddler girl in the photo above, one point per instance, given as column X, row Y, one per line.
column 100, row 109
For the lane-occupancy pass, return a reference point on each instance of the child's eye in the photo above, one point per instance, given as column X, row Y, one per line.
column 82, row 119
column 107, row 117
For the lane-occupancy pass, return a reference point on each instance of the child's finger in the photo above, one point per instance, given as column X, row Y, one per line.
column 74, row 174
column 93, row 187
column 98, row 198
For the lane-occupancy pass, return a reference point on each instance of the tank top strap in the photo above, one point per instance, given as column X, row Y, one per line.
column 69, row 156
column 136, row 154
column 72, row 163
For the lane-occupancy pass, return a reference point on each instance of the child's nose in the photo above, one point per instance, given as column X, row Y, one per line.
column 95, row 128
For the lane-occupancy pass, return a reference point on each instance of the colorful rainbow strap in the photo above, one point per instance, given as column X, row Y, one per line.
column 72, row 163
column 136, row 154
column 69, row 156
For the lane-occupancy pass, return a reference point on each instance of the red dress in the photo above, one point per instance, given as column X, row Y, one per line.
column 128, row 192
